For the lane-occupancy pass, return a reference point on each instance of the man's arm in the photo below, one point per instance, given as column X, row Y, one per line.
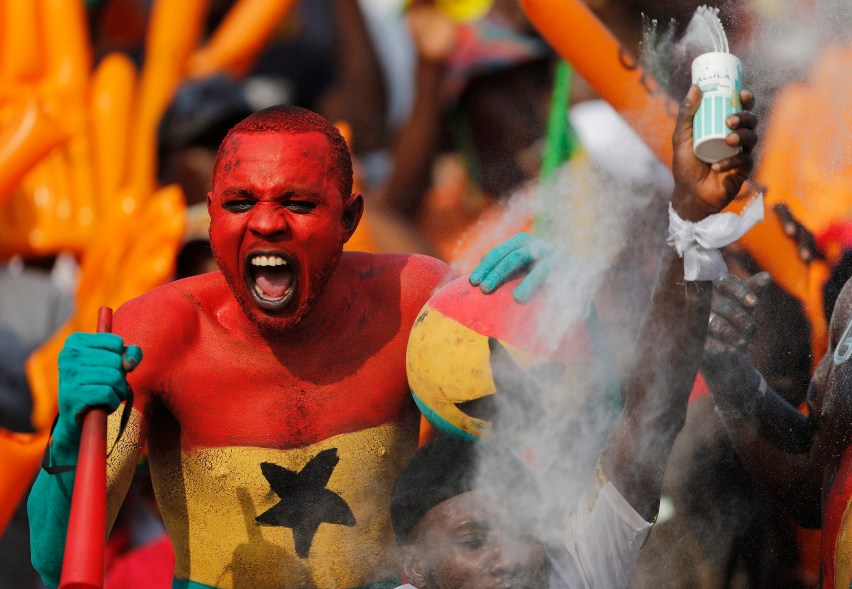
column 776, row 443
column 671, row 340
column 416, row 144
column 92, row 371
column 669, row 352
column 784, row 450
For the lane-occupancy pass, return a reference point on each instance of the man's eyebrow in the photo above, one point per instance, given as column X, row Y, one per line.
column 242, row 192
column 299, row 193
column 475, row 524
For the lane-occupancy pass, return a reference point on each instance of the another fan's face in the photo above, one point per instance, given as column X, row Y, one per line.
column 467, row 542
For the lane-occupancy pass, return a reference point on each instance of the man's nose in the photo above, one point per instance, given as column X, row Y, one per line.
column 268, row 220
column 508, row 555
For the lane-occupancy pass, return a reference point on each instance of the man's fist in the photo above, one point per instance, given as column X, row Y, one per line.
column 702, row 189
column 92, row 369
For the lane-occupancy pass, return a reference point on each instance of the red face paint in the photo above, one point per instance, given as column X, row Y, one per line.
column 277, row 224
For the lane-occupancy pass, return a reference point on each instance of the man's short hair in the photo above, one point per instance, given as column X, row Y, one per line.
column 446, row 467
column 293, row 120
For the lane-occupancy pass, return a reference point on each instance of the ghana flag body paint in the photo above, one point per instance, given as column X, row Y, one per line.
column 271, row 472
column 250, row 516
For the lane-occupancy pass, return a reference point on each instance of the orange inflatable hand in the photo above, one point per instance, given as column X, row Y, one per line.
column 47, row 180
column 81, row 149
column 240, row 38
column 173, row 32
column 29, row 134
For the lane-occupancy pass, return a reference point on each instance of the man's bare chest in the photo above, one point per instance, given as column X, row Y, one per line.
column 242, row 397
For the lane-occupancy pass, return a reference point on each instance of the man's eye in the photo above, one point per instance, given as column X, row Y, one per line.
column 238, row 206
column 473, row 542
column 299, row 206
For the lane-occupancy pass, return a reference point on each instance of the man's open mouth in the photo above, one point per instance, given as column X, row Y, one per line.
column 271, row 279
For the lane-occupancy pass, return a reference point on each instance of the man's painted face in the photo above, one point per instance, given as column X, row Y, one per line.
column 277, row 223
column 467, row 543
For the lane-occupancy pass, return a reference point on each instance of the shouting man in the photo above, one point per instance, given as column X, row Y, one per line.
column 273, row 393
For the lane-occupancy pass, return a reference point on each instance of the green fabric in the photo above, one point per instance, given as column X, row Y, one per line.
column 185, row 584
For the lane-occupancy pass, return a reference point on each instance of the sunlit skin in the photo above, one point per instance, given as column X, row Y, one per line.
column 273, row 196
column 466, row 543
column 233, row 379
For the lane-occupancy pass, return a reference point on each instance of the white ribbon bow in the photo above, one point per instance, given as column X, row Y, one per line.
column 698, row 243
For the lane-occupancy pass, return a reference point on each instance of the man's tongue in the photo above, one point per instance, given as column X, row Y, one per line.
column 273, row 281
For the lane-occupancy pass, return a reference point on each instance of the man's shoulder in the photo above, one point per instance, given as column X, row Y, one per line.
column 410, row 269
column 176, row 305
column 416, row 275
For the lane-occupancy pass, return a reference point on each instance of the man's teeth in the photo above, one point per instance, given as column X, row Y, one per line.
column 268, row 261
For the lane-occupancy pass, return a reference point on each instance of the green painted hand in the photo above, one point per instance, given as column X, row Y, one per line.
column 92, row 369
column 515, row 255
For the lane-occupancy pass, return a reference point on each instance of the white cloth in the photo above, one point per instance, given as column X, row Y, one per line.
column 603, row 537
column 698, row 243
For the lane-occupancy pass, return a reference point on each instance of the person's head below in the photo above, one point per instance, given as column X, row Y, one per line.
column 281, row 208
column 457, row 512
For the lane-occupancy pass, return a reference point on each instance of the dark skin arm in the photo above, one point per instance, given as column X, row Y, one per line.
column 417, row 143
column 788, row 453
column 360, row 76
column 779, row 446
column 671, row 340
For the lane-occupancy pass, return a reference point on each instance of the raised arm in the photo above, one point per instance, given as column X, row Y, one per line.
column 670, row 343
column 417, row 143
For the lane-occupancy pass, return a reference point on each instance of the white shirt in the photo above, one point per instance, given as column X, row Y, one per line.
column 603, row 537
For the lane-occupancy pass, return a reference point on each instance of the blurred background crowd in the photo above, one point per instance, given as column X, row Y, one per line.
column 111, row 112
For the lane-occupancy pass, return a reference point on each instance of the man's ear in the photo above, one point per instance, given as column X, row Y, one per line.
column 352, row 211
column 414, row 567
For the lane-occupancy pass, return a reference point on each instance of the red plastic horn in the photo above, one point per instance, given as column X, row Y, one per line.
column 85, row 544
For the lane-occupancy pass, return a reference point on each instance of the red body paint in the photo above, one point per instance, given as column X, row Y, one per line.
column 331, row 361
column 273, row 195
column 227, row 388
